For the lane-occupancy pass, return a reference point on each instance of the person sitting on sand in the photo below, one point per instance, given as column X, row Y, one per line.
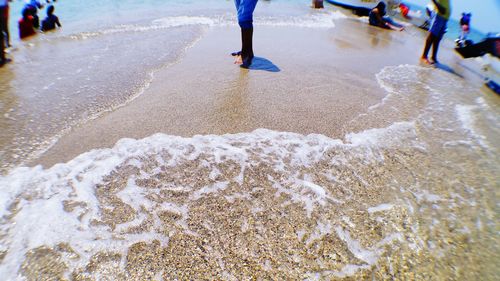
column 51, row 21
column 26, row 25
column 376, row 18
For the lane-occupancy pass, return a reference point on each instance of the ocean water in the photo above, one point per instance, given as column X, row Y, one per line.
column 412, row 196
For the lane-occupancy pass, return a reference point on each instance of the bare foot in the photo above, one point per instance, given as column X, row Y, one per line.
column 238, row 60
column 425, row 61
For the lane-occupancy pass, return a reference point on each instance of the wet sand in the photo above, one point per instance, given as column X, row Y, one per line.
column 304, row 80
column 406, row 202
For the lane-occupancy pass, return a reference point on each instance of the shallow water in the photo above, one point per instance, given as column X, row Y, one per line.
column 102, row 58
column 410, row 194
column 413, row 200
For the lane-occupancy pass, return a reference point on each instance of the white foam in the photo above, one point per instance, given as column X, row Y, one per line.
column 322, row 229
column 426, row 196
column 466, row 116
column 320, row 20
column 41, row 220
column 369, row 256
column 380, row 208
column 385, row 137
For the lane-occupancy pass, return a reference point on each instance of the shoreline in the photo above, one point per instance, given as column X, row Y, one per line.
column 336, row 156
column 166, row 101
column 205, row 93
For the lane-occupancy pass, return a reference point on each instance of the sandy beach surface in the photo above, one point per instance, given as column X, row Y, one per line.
column 303, row 80
column 335, row 157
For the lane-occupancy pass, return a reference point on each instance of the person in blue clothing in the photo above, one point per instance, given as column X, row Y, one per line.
column 32, row 7
column 245, row 10
column 437, row 30
column 465, row 29
column 51, row 21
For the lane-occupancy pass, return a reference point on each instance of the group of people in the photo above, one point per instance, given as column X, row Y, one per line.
column 439, row 18
column 30, row 21
column 245, row 9
column 28, row 24
column 439, row 12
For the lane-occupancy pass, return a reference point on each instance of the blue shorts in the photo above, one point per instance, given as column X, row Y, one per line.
column 245, row 10
column 438, row 26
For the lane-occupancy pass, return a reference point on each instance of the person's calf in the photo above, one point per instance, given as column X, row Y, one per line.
column 435, row 48
column 428, row 43
column 247, row 47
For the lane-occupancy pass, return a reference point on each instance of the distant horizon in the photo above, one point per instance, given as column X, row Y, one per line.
column 483, row 13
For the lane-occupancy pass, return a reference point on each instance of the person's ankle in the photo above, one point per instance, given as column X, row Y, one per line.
column 4, row 61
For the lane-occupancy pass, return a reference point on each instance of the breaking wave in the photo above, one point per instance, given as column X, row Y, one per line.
column 322, row 20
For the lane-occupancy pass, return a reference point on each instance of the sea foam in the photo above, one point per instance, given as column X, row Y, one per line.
column 63, row 204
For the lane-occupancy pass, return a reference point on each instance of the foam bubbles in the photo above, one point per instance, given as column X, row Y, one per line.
column 107, row 200
column 320, row 20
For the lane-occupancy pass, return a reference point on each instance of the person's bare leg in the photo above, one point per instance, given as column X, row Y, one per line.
column 2, row 40
column 435, row 48
column 2, row 49
column 238, row 59
column 247, row 49
column 396, row 28
column 428, row 43
column 5, row 28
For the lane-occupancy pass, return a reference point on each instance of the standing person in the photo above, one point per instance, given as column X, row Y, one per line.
column 245, row 10
column 4, row 5
column 3, row 21
column 437, row 30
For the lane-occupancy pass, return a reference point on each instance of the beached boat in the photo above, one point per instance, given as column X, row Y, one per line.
column 488, row 51
column 363, row 4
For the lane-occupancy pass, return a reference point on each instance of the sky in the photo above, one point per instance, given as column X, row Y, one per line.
column 485, row 13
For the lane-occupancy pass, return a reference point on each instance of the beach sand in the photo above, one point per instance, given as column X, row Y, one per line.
column 304, row 80
column 389, row 185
